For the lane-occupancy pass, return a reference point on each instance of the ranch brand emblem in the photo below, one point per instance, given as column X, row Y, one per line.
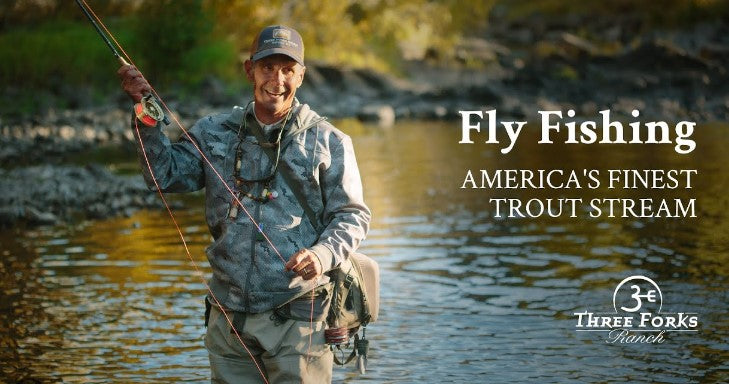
column 637, row 315
column 281, row 34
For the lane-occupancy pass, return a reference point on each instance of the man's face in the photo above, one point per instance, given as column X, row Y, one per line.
column 275, row 79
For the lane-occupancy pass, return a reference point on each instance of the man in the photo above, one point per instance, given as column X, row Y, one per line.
column 297, row 176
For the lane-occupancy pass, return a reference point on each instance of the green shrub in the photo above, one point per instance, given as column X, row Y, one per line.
column 166, row 31
column 58, row 51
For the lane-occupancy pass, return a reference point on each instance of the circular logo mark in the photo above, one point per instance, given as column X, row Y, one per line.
column 642, row 291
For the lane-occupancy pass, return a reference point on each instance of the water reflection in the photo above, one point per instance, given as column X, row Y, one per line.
column 115, row 295
column 465, row 297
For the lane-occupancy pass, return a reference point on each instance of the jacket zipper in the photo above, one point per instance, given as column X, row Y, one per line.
column 254, row 242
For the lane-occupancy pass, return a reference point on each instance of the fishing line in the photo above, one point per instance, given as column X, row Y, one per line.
column 89, row 11
column 189, row 255
column 86, row 9
column 187, row 134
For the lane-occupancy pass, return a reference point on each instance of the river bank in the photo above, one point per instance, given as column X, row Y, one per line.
column 515, row 68
column 53, row 194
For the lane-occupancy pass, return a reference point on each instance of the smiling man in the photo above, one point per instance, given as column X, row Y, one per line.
column 296, row 175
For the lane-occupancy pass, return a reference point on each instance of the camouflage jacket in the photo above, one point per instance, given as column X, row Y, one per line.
column 247, row 274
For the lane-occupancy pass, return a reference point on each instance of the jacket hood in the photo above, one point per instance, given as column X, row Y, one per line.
column 304, row 117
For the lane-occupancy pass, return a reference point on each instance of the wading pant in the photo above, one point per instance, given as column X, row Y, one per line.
column 281, row 350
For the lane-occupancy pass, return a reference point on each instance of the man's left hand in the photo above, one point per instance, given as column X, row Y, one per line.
column 305, row 264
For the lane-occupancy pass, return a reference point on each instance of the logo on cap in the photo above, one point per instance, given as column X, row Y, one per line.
column 282, row 34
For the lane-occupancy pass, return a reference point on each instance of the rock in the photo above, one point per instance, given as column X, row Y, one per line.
column 340, row 80
column 476, row 50
column 669, row 109
column 314, row 79
column 660, row 55
column 717, row 53
column 589, row 108
column 440, row 111
column 383, row 115
column 36, row 217
column 626, row 106
column 212, row 91
column 386, row 85
column 522, row 36
column 513, row 107
column 577, row 46
column 483, row 94
column 545, row 104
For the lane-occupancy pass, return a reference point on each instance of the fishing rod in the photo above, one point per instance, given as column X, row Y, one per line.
column 148, row 101
column 101, row 33
column 148, row 106
column 88, row 11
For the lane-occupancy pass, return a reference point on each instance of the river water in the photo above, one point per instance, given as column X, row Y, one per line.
column 466, row 297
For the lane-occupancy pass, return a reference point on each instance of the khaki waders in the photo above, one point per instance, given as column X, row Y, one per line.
column 280, row 346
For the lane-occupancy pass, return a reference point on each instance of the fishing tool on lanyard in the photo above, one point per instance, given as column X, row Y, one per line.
column 242, row 183
column 148, row 110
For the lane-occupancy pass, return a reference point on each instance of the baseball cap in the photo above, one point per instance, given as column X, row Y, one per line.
column 278, row 39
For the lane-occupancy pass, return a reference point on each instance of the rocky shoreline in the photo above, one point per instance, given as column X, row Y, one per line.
column 53, row 194
column 673, row 76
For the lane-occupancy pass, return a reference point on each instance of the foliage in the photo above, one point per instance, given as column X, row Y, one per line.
column 54, row 52
column 378, row 34
column 23, row 13
column 48, row 44
column 166, row 32
column 64, row 54
column 186, row 40
column 669, row 13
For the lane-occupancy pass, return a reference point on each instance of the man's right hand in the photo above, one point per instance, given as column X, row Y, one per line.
column 133, row 83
